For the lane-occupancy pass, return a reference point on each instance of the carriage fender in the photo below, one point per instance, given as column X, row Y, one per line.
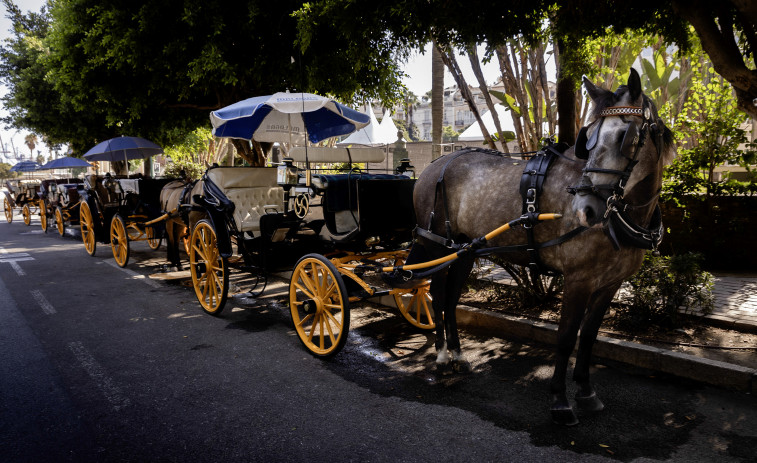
column 10, row 198
column 217, row 220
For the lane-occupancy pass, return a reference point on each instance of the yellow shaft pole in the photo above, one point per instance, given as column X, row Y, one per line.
column 162, row 217
column 454, row 255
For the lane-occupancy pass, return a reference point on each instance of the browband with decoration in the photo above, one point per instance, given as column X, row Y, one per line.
column 638, row 111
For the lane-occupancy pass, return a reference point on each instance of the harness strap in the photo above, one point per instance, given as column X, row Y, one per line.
column 531, row 185
column 441, row 187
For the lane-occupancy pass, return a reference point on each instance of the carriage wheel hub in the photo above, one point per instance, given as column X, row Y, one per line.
column 312, row 306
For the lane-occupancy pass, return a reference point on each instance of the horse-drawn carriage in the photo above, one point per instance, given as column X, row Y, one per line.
column 246, row 215
column 117, row 211
column 22, row 194
column 604, row 190
column 59, row 200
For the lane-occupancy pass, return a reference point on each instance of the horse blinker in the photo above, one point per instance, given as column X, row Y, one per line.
column 580, row 150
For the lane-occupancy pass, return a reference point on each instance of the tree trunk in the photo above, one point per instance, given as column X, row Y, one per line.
column 476, row 66
column 448, row 57
column 437, row 101
column 566, row 98
column 718, row 37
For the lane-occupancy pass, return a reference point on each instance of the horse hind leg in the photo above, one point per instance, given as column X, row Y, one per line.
column 586, row 396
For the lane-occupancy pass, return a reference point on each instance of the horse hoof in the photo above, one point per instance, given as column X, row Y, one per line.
column 564, row 416
column 444, row 369
column 590, row 403
column 462, row 366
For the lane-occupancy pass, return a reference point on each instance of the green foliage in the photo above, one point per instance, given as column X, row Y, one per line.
column 661, row 288
column 184, row 168
column 5, row 171
column 92, row 69
column 189, row 154
column 449, row 134
column 710, row 133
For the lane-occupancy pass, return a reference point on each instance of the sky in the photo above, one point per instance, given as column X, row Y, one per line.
column 418, row 69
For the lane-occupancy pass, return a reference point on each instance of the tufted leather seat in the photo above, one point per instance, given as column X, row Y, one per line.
column 253, row 190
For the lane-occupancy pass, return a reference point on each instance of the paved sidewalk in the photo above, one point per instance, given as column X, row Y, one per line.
column 735, row 298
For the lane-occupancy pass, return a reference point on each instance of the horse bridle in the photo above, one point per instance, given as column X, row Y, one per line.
column 613, row 193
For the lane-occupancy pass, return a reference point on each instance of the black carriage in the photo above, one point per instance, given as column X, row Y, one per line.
column 59, row 202
column 326, row 227
column 24, row 195
column 117, row 211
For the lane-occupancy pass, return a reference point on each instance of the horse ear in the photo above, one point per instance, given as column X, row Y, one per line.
column 593, row 91
column 634, row 84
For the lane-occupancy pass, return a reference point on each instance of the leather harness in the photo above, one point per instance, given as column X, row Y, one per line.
column 531, row 185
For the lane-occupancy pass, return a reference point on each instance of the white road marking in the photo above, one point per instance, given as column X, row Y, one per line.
column 134, row 275
column 46, row 306
column 106, row 385
column 13, row 258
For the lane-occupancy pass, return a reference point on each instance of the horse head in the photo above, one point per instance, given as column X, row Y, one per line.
column 626, row 145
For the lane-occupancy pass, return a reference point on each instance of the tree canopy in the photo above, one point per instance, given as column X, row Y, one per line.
column 726, row 29
column 87, row 70
column 148, row 67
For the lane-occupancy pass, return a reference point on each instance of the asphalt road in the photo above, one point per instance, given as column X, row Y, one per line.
column 99, row 363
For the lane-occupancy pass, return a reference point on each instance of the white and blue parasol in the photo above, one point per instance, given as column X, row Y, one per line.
column 286, row 118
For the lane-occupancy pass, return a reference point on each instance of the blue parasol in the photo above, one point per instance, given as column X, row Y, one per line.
column 25, row 166
column 67, row 162
column 286, row 117
column 122, row 148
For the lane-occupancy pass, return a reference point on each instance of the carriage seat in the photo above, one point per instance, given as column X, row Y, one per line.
column 69, row 193
column 108, row 196
column 253, row 190
column 12, row 187
column 341, row 207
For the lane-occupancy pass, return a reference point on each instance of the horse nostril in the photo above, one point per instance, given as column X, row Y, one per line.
column 589, row 214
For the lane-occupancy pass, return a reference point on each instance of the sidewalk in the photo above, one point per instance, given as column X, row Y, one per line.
column 735, row 308
column 735, row 299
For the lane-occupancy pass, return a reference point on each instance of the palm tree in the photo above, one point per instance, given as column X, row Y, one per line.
column 31, row 141
column 437, row 101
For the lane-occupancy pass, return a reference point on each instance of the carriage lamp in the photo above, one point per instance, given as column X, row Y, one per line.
column 286, row 173
column 405, row 168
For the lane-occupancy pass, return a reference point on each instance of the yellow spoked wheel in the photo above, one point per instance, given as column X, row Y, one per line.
column 319, row 305
column 210, row 271
column 415, row 305
column 8, row 210
column 152, row 239
column 26, row 212
column 87, row 225
column 43, row 215
column 119, row 241
column 59, row 221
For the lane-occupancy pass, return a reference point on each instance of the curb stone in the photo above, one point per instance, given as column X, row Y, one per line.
column 712, row 372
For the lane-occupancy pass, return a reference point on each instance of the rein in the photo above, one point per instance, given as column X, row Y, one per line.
column 618, row 224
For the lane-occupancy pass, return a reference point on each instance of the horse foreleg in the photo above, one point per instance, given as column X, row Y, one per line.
column 586, row 396
column 575, row 298
column 438, row 292
column 172, row 244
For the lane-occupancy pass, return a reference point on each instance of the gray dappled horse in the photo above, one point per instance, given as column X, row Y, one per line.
column 609, row 201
